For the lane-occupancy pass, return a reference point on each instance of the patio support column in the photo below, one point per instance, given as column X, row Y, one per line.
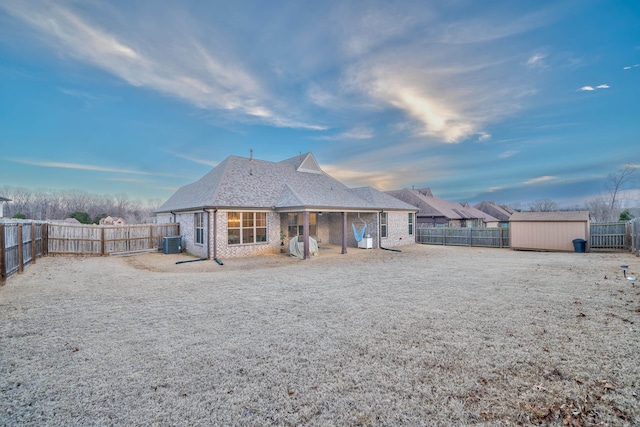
column 344, row 232
column 305, row 230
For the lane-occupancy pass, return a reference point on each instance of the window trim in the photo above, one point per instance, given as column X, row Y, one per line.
column 384, row 225
column 254, row 227
column 411, row 223
column 198, row 228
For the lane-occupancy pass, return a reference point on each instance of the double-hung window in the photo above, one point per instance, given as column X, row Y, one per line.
column 198, row 224
column 411, row 223
column 246, row 227
column 383, row 224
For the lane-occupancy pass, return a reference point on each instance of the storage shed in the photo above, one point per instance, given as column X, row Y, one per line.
column 548, row 231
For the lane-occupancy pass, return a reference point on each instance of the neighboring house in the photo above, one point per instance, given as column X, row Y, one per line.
column 436, row 212
column 111, row 221
column 501, row 213
column 549, row 231
column 70, row 221
column 2, row 201
column 241, row 207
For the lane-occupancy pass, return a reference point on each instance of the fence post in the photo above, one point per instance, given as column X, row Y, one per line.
column 45, row 239
column 20, row 260
column 3, row 264
column 151, row 237
column 444, row 236
column 471, row 237
column 33, row 243
column 102, row 244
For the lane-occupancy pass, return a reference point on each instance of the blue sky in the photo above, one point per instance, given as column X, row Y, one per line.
column 510, row 101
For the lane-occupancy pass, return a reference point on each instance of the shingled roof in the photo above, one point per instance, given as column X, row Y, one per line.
column 294, row 183
column 502, row 213
column 431, row 206
column 580, row 216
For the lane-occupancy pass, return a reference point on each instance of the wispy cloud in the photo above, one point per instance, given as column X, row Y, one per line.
column 628, row 67
column 507, row 154
column 199, row 160
column 540, row 179
column 537, row 60
column 590, row 88
column 191, row 73
column 78, row 166
column 131, row 180
column 89, row 100
column 449, row 92
column 85, row 167
column 358, row 133
column 484, row 136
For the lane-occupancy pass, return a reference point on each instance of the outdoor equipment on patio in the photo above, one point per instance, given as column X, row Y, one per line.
column 359, row 234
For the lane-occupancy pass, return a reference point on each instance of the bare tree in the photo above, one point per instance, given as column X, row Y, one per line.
column 617, row 182
column 543, row 205
column 598, row 207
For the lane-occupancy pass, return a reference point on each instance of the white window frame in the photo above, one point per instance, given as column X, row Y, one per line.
column 411, row 223
column 384, row 224
column 198, row 228
column 253, row 228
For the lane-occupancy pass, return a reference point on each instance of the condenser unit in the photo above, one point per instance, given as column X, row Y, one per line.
column 172, row 244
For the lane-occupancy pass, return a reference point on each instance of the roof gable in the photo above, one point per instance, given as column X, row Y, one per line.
column 494, row 210
column 309, row 164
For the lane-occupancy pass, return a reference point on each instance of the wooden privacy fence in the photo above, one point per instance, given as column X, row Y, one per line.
column 603, row 236
column 454, row 236
column 22, row 242
column 85, row 240
column 610, row 235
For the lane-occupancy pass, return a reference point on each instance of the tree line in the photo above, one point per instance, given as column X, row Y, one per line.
column 88, row 208
column 602, row 208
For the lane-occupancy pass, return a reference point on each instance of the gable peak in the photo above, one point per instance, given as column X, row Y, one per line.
column 309, row 164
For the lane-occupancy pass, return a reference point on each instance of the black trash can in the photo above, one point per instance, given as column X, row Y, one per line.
column 580, row 245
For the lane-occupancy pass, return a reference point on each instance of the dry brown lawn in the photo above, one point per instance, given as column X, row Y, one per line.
column 429, row 336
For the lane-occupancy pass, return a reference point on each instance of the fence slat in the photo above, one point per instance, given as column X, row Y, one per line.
column 3, row 263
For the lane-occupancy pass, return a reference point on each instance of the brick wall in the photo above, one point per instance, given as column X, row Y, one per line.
column 329, row 226
column 398, row 230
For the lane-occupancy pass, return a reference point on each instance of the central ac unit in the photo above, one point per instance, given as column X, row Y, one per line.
column 172, row 244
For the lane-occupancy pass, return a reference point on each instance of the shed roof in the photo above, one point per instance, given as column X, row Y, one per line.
column 294, row 183
column 4, row 199
column 571, row 216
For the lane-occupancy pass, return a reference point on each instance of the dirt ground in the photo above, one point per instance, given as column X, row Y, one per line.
column 428, row 336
